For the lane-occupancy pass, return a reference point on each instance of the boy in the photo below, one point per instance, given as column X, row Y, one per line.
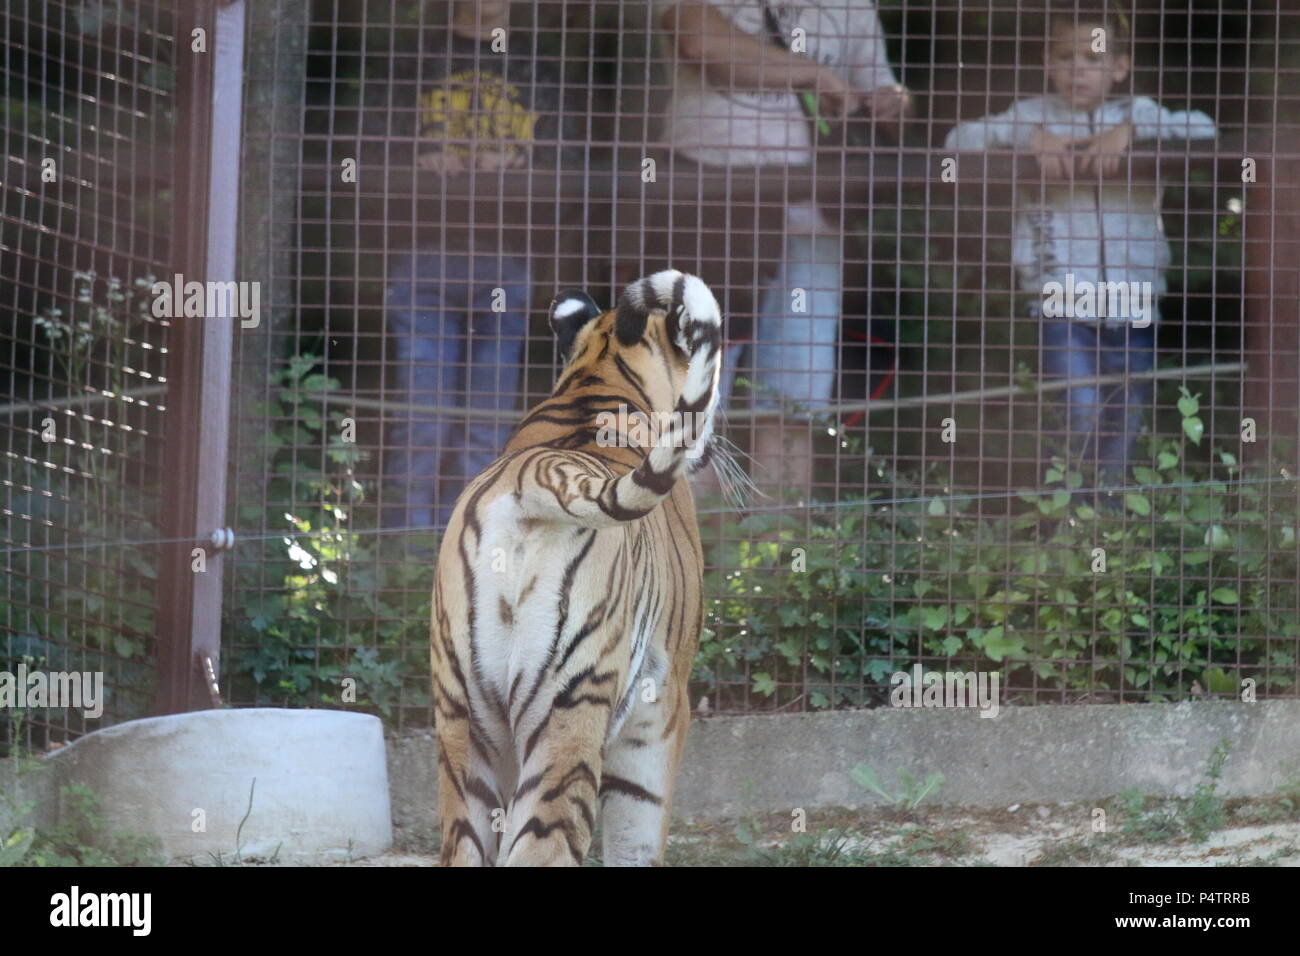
column 1091, row 254
column 475, row 97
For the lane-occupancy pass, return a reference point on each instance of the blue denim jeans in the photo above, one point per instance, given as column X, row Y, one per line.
column 1101, row 422
column 794, row 353
column 450, row 349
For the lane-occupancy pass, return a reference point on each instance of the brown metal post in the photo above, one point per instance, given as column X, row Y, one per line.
column 1272, row 334
column 209, row 91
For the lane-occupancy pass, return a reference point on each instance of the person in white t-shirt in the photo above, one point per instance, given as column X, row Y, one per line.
column 736, row 102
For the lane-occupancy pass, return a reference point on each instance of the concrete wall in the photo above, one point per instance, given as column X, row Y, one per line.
column 1024, row 755
column 36, row 786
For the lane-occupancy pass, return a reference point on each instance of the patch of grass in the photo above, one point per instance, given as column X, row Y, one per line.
column 1081, row 851
column 1281, row 853
column 946, row 843
column 836, row 841
column 81, row 838
column 1280, row 807
column 911, row 846
column 69, row 843
column 828, row 848
column 1265, row 810
column 911, row 792
column 1148, row 819
column 694, row 851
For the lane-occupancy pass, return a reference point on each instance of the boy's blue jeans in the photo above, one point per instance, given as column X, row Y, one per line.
column 1102, row 422
column 794, row 354
column 449, row 349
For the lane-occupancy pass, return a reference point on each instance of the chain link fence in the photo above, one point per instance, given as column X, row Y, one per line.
column 1010, row 315
column 947, row 476
column 85, row 116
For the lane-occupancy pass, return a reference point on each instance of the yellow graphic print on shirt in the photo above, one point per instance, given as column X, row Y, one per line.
column 472, row 107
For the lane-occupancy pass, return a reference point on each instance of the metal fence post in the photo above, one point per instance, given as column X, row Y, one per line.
column 208, row 126
column 1272, row 334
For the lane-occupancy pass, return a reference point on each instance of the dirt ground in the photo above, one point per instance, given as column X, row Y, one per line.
column 1142, row 832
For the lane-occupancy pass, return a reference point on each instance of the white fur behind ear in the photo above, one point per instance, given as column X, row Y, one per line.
column 567, row 307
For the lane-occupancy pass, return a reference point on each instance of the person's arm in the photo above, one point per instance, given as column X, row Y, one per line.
column 999, row 131
column 490, row 160
column 1019, row 128
column 1150, row 120
column 887, row 100
column 1147, row 120
column 734, row 60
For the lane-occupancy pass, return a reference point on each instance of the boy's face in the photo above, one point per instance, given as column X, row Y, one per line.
column 1078, row 74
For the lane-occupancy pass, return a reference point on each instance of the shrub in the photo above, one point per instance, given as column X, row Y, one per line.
column 1199, row 584
column 323, row 602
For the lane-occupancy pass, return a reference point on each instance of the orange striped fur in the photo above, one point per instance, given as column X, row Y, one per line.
column 567, row 601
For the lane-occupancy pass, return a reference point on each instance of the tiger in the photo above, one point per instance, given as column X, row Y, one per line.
column 568, row 594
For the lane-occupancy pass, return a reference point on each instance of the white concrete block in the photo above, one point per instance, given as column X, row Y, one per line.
column 321, row 782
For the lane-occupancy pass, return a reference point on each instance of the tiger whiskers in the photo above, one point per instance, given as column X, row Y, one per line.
column 737, row 488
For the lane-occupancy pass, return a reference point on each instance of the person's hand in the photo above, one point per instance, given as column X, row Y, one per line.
column 441, row 161
column 889, row 104
column 1101, row 154
column 492, row 160
column 1055, row 160
column 836, row 99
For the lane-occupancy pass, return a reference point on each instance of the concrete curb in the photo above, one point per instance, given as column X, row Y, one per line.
column 1044, row 754
column 733, row 765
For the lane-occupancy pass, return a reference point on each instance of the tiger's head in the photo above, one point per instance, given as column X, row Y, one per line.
column 630, row 354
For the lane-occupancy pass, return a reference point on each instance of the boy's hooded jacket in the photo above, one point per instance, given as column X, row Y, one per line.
column 1100, row 231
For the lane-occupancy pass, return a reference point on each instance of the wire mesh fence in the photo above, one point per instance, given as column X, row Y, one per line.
column 959, row 466
column 1010, row 329
column 85, row 103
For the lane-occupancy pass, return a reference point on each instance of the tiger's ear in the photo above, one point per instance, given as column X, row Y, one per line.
column 570, row 311
column 633, row 312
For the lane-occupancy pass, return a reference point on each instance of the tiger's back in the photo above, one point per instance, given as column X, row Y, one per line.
column 567, row 601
